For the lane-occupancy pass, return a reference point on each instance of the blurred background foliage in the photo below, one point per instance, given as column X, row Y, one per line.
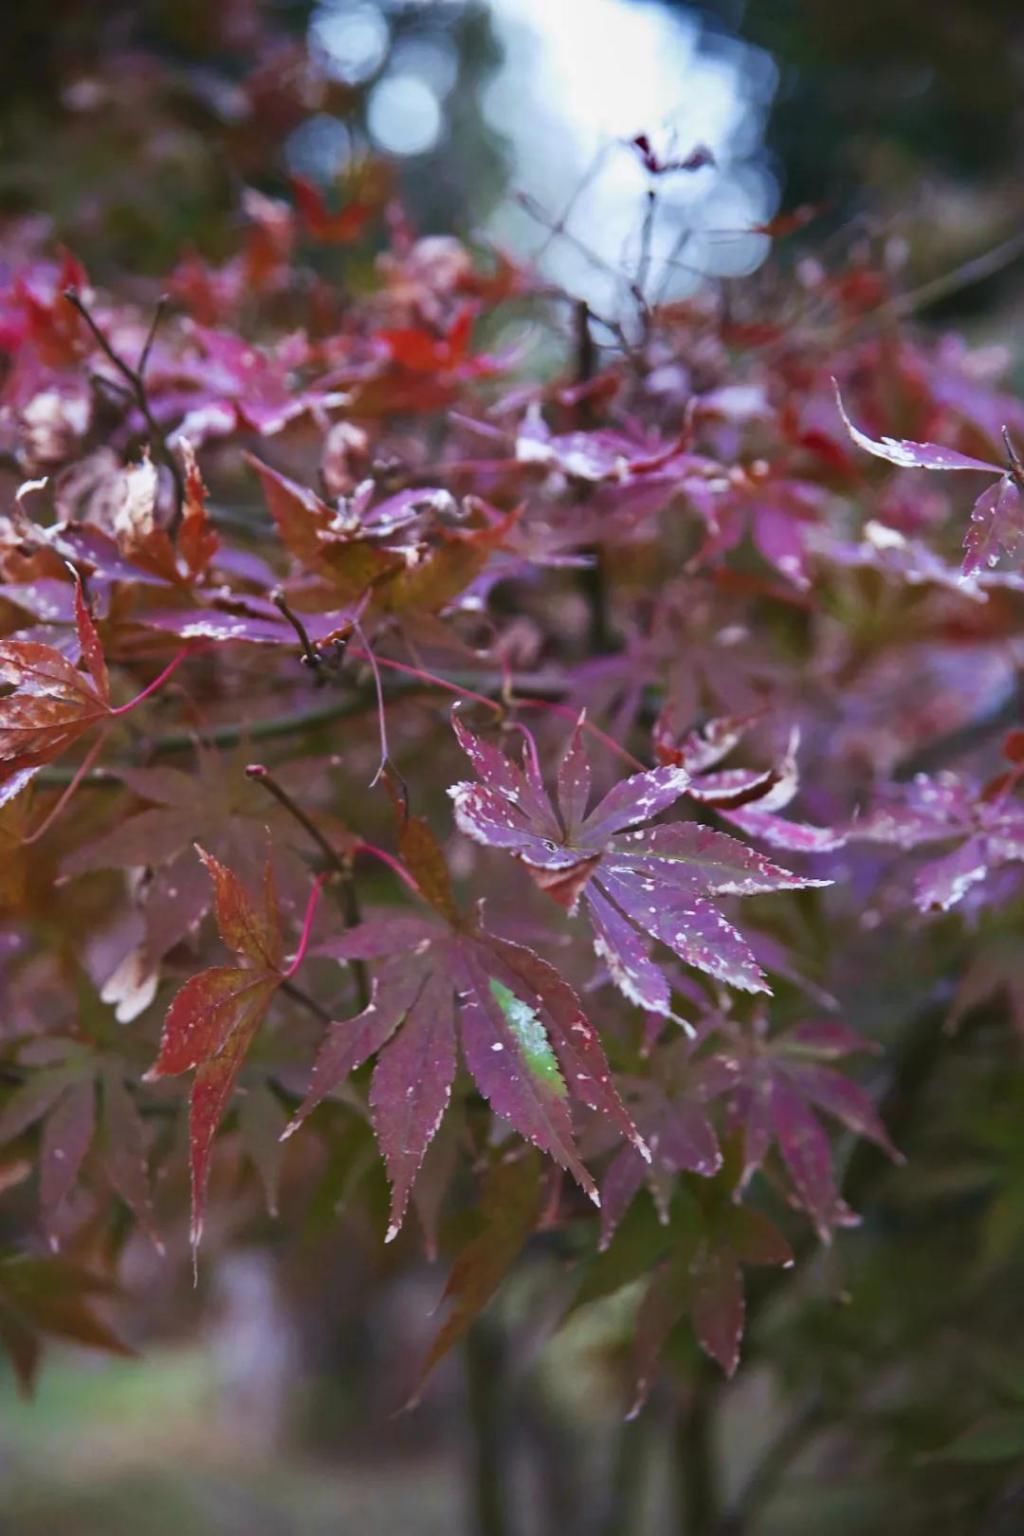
column 886, row 1385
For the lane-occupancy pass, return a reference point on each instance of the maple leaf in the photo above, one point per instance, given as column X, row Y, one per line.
column 747, row 798
column 907, row 560
column 61, row 1094
column 703, row 1278
column 779, row 511
column 681, row 1139
column 353, row 219
column 407, row 549
column 691, row 1265
column 635, row 879
column 422, row 367
column 524, row 1036
column 197, row 538
column 773, row 1086
column 215, row 805
column 213, row 1019
column 48, row 703
column 509, row 1210
column 986, row 823
column 226, row 384
column 323, row 539
column 997, row 521
column 40, row 1296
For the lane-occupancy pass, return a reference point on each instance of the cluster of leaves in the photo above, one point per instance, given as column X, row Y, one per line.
column 656, row 582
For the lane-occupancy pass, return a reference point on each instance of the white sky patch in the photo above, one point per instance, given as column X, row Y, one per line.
column 582, row 74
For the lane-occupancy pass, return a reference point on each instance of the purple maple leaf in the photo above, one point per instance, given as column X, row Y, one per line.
column 997, row 521
column 748, row 798
column 774, row 1086
column 524, row 1037
column 635, row 879
column 988, row 828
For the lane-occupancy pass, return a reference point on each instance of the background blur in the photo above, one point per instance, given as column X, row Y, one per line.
column 265, row 1402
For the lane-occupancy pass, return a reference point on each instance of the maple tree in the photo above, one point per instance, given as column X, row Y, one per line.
column 277, row 557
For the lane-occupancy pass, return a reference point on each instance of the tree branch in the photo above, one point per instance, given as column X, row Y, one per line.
column 135, row 379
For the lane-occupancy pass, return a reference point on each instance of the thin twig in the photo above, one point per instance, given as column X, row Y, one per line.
column 348, row 895
column 263, row 776
column 297, row 995
column 310, row 655
column 976, row 270
column 154, row 326
column 137, row 383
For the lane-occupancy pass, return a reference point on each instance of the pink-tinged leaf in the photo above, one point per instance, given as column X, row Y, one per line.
column 631, row 801
column 653, row 877
column 89, row 645
column 827, row 1039
column 350, row 1042
column 806, row 1154
column 842, row 1097
column 792, row 836
column 690, row 926
column 911, row 455
column 731, row 788
column 941, row 883
column 686, row 1140
column 490, row 818
column 624, row 952
column 492, row 766
column 779, row 536
column 211, row 1092
column 205, row 1013
column 410, row 1089
column 218, row 624
column 717, row 1306
column 663, row 1304
column 316, row 535
column 623, row 1180
column 47, row 706
column 702, row 748
column 379, row 938
column 509, row 1053
column 509, row 1209
column 996, row 527
column 31, row 1100
column 160, row 786
column 680, row 1138
column 253, row 934
column 686, row 852
column 753, row 1106
column 931, row 808
column 153, row 837
column 197, row 538
column 574, row 781
column 11, row 788
column 67, row 1137
column 575, row 1041
column 124, row 1149
column 251, row 621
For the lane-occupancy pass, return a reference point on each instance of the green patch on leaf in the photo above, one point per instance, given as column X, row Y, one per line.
column 525, row 1024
